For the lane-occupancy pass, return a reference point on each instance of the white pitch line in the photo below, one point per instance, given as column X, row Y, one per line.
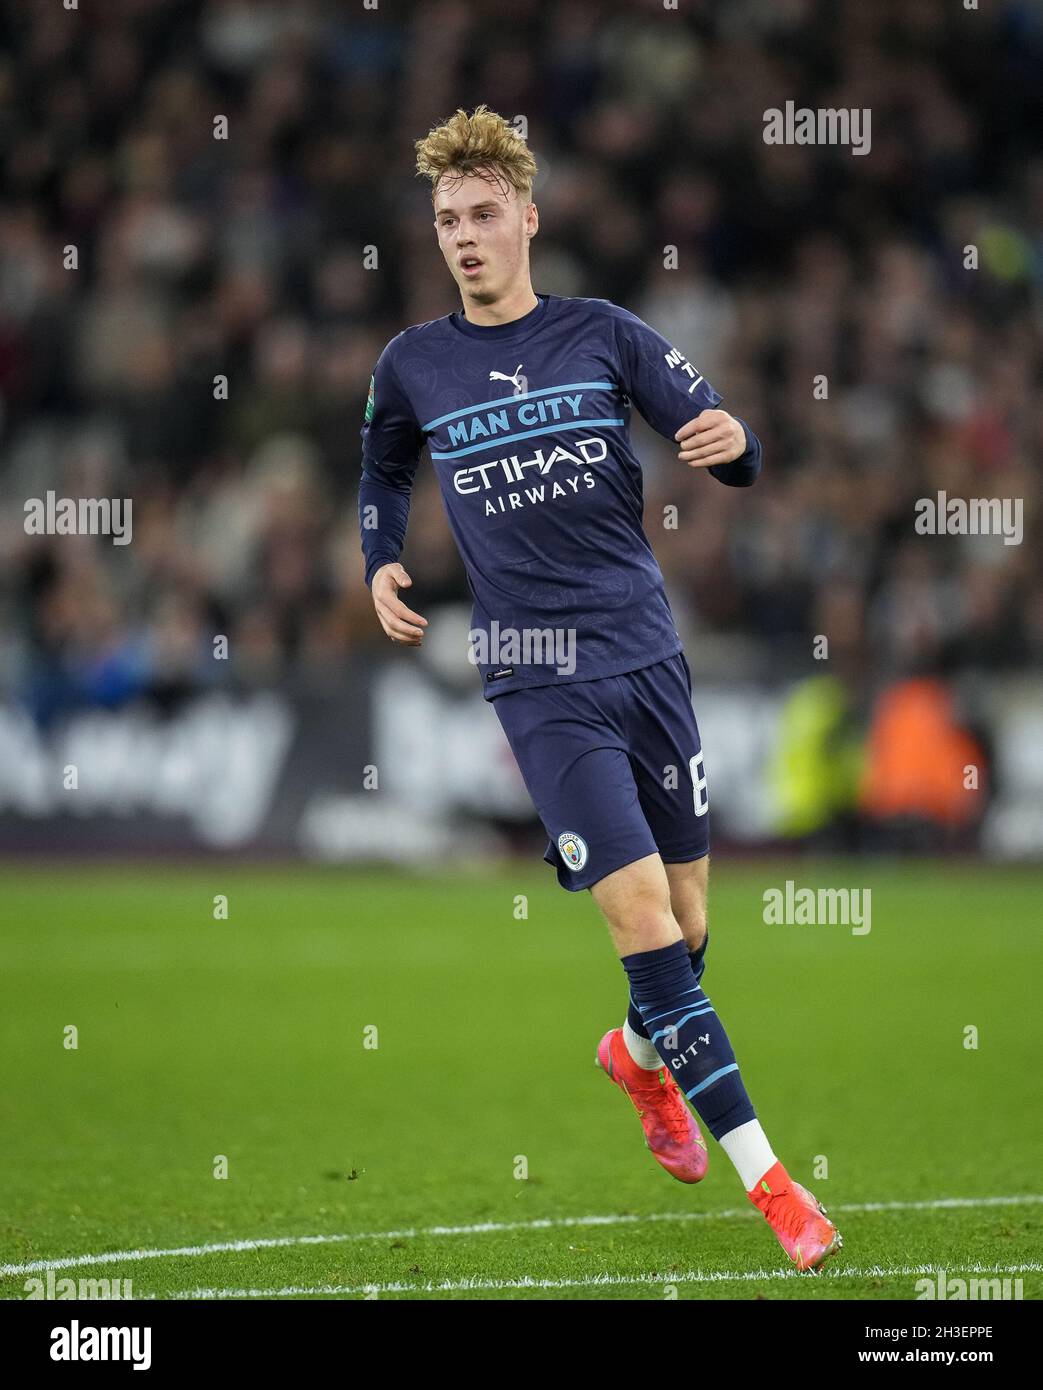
column 486, row 1228
column 603, row 1281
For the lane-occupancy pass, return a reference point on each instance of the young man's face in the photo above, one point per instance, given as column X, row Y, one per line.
column 482, row 219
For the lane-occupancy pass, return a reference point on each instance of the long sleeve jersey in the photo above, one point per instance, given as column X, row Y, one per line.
column 527, row 424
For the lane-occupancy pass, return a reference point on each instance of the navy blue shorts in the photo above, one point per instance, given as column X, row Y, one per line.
column 615, row 768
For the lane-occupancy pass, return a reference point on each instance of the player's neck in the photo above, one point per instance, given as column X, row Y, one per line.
column 516, row 305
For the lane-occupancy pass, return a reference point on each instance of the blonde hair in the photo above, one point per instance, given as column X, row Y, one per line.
column 465, row 144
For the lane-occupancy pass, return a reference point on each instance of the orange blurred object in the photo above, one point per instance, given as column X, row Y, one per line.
column 919, row 761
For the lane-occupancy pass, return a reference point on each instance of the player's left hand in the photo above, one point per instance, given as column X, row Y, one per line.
column 712, row 437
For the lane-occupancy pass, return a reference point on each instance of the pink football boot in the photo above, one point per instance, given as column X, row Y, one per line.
column 670, row 1128
column 797, row 1218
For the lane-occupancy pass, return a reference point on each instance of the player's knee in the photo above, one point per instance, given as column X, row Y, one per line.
column 692, row 919
column 689, row 884
column 645, row 921
column 636, row 904
column 693, row 929
column 649, row 926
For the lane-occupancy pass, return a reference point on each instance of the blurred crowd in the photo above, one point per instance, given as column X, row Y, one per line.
column 191, row 321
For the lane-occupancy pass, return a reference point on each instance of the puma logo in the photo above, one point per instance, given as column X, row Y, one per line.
column 516, row 379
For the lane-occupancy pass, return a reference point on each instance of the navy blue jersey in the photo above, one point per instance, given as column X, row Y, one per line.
column 527, row 424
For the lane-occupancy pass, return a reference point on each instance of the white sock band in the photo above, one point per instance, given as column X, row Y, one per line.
column 643, row 1052
column 749, row 1150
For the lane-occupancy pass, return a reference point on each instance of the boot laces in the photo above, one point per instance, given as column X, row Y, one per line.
column 670, row 1105
column 788, row 1211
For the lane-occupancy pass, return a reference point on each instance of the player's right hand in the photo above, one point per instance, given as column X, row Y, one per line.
column 399, row 622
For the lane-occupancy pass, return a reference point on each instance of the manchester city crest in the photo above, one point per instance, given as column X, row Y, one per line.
column 573, row 849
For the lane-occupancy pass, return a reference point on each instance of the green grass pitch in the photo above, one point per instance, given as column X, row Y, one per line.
column 246, row 1038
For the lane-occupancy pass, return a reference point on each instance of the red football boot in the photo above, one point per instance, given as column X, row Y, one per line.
column 797, row 1218
column 670, row 1128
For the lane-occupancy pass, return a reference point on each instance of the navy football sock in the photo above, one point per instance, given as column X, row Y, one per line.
column 698, row 966
column 683, row 1026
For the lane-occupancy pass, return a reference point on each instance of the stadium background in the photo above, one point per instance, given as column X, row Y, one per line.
column 247, row 259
